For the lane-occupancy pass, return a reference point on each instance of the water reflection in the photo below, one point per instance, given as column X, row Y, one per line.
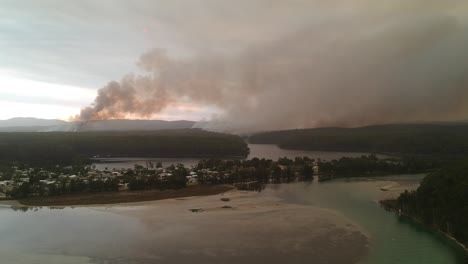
column 266, row 151
column 168, row 232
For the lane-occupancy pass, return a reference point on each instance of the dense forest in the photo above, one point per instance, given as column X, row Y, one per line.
column 66, row 147
column 433, row 139
column 441, row 201
column 370, row 165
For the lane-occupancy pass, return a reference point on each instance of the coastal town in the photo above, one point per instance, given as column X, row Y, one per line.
column 18, row 182
column 27, row 182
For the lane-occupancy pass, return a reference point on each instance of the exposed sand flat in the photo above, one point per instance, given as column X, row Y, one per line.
column 251, row 228
column 8, row 203
column 393, row 189
column 259, row 228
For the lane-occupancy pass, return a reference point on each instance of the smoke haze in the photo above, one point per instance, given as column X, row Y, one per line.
column 338, row 63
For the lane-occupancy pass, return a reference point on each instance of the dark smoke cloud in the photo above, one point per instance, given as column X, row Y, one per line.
column 398, row 64
column 136, row 95
column 166, row 81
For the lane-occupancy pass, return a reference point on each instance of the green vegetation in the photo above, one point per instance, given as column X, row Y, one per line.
column 426, row 139
column 141, row 178
column 245, row 174
column 286, row 170
column 254, row 170
column 441, row 201
column 370, row 165
column 66, row 148
column 35, row 182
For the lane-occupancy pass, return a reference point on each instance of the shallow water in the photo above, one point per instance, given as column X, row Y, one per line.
column 393, row 239
column 257, row 230
column 135, row 234
column 103, row 235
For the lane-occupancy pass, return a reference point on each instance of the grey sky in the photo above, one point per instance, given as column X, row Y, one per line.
column 312, row 55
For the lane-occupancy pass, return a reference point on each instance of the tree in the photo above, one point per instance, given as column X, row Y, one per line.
column 307, row 171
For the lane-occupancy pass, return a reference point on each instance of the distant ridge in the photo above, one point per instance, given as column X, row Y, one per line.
column 29, row 124
column 441, row 138
column 127, row 125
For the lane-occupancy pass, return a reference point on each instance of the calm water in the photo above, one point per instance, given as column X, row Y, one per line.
column 393, row 239
column 87, row 235
column 256, row 150
column 100, row 235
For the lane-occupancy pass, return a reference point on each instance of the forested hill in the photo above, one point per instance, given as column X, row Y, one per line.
column 444, row 139
column 441, row 201
column 63, row 147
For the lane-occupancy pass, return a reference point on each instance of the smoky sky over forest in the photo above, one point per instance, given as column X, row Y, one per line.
column 268, row 65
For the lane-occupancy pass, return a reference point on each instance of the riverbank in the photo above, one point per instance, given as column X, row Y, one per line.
column 391, row 205
column 119, row 197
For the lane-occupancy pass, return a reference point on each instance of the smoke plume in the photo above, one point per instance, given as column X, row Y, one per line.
column 363, row 66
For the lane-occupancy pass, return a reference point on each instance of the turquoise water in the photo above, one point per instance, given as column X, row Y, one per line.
column 91, row 235
column 393, row 239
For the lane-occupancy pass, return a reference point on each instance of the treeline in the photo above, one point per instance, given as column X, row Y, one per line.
column 441, row 201
column 176, row 180
column 284, row 170
column 34, row 188
column 67, row 147
column 244, row 174
column 427, row 139
column 138, row 178
column 370, row 165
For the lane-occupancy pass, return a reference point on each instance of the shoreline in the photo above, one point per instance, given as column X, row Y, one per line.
column 117, row 198
column 236, row 225
column 151, row 157
column 250, row 217
column 388, row 205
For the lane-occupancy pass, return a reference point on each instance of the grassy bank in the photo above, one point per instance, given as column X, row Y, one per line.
column 124, row 197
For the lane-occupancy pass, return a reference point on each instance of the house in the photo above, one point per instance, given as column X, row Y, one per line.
column 6, row 186
column 123, row 186
column 6, row 183
column 192, row 179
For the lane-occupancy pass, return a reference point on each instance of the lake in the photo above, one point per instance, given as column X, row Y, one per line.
column 266, row 151
column 337, row 221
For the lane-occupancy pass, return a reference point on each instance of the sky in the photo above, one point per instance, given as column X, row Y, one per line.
column 246, row 64
column 55, row 55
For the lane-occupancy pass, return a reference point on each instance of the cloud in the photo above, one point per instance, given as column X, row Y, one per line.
column 271, row 64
